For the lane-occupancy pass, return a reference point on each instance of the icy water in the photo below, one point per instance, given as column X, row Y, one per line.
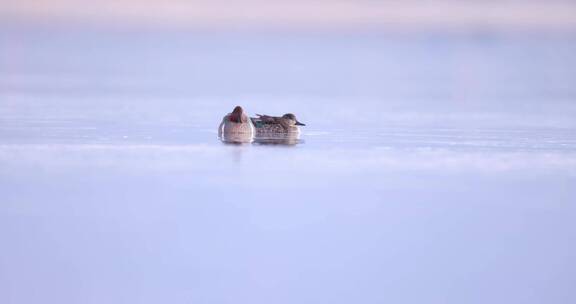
column 434, row 168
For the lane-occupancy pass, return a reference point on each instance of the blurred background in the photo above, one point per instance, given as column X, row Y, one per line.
column 409, row 62
column 320, row 14
column 438, row 164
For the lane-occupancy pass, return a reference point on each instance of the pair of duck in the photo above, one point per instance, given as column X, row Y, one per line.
column 239, row 125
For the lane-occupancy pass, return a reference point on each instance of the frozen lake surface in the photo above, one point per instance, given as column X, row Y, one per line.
column 434, row 168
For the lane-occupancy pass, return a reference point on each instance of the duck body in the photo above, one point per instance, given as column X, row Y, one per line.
column 229, row 127
column 265, row 125
column 236, row 126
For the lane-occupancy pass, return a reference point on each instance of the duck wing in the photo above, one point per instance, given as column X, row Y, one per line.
column 267, row 119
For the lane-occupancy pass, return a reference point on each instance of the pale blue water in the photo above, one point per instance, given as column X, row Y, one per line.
column 434, row 168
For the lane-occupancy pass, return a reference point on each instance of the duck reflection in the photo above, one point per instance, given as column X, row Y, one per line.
column 236, row 138
column 284, row 139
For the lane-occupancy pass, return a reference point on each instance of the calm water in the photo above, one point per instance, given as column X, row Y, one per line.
column 434, row 168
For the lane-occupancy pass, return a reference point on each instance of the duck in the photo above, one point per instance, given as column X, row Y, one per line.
column 266, row 124
column 237, row 126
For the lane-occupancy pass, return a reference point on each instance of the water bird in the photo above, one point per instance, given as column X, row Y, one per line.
column 236, row 126
column 266, row 124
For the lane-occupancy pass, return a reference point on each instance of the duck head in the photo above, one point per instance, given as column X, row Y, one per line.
column 292, row 119
column 238, row 116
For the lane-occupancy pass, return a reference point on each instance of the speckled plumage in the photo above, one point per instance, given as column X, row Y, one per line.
column 236, row 123
column 286, row 124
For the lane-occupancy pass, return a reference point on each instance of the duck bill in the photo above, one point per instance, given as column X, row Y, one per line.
column 299, row 123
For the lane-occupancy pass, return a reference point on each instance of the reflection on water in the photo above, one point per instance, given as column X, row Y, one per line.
column 236, row 138
column 286, row 139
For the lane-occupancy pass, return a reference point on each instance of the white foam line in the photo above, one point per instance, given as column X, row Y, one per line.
column 216, row 157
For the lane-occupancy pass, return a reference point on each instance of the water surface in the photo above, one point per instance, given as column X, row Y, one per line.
column 434, row 168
